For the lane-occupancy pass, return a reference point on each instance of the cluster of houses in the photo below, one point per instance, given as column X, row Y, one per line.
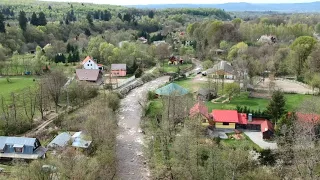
column 221, row 119
column 91, row 71
column 30, row 148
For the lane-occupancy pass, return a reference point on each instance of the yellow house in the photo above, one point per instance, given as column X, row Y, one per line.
column 225, row 119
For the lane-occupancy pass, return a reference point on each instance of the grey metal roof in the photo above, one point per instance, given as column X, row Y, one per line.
column 61, row 140
column 16, row 140
column 118, row 67
column 222, row 65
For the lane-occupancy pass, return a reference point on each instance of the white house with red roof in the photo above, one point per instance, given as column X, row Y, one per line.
column 89, row 63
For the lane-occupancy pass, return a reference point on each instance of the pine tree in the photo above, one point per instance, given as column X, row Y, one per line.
column 276, row 108
column 87, row 32
column 42, row 21
column 151, row 14
column 89, row 19
column 23, row 20
column 34, row 19
column 2, row 24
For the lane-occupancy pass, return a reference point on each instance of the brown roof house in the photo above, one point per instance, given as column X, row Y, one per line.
column 90, row 75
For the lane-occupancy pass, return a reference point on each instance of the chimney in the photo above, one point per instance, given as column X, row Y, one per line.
column 250, row 117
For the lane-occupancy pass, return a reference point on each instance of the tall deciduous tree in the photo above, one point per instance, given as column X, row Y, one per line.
column 53, row 83
column 276, row 108
column 23, row 20
column 302, row 47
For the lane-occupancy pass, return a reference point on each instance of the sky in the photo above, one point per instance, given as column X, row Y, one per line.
column 140, row 2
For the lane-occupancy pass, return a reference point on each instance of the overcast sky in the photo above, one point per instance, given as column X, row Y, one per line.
column 136, row 2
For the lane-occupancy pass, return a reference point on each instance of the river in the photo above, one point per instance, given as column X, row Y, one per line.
column 131, row 162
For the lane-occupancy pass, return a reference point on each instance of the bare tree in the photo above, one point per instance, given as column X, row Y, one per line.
column 29, row 100
column 42, row 98
column 54, row 82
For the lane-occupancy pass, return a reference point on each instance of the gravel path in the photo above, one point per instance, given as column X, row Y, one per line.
column 256, row 137
column 131, row 163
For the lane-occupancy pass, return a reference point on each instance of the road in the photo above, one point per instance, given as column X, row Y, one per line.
column 131, row 162
column 256, row 137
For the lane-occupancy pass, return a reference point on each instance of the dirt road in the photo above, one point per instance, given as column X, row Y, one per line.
column 131, row 162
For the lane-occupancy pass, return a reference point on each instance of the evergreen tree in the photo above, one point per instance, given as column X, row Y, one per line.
column 87, row 32
column 50, row 8
column 42, row 21
column 151, row 14
column 276, row 108
column 23, row 20
column 2, row 24
column 34, row 19
column 96, row 15
column 67, row 21
column 89, row 19
column 120, row 16
column 106, row 16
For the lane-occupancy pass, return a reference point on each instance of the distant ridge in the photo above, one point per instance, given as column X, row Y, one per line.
column 242, row 6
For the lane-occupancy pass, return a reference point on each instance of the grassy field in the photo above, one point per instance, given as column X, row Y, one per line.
column 16, row 83
column 293, row 101
column 173, row 68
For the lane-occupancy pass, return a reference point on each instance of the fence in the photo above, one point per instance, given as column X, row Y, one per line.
column 118, row 85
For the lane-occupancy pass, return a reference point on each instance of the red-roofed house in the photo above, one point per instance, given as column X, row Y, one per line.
column 308, row 118
column 231, row 119
column 225, row 119
column 201, row 110
column 89, row 63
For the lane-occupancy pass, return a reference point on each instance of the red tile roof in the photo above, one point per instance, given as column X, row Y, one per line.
column 87, row 74
column 313, row 118
column 199, row 108
column 230, row 116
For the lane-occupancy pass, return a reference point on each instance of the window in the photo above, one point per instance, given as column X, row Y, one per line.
column 18, row 149
column 226, row 124
column 91, row 64
column 88, row 64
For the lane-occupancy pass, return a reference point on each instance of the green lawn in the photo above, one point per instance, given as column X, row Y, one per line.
column 190, row 84
column 293, row 101
column 173, row 68
column 16, row 83
column 245, row 142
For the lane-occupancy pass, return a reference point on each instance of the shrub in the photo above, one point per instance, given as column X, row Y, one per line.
column 138, row 73
column 147, row 77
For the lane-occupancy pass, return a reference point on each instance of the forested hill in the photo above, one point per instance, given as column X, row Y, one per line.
column 288, row 7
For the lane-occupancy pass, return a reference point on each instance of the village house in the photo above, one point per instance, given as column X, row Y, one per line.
column 77, row 140
column 223, row 68
column 175, row 60
column 204, row 94
column 119, row 70
column 89, row 63
column 90, row 75
column 231, row 119
column 21, row 148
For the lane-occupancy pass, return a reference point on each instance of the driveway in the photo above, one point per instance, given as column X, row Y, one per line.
column 287, row 86
column 256, row 137
column 131, row 162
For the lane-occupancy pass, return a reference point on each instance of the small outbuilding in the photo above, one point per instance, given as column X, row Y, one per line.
column 172, row 89
column 60, row 141
column 206, row 94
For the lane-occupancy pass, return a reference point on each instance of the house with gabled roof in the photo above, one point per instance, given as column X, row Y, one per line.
column 89, row 63
column 201, row 111
column 119, row 70
column 223, row 68
column 231, row 119
column 90, row 75
column 21, row 148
